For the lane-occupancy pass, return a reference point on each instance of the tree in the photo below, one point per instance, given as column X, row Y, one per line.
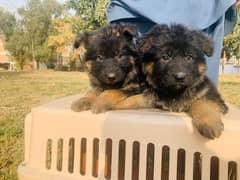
column 36, row 21
column 17, row 45
column 231, row 45
column 63, row 35
column 7, row 23
column 91, row 12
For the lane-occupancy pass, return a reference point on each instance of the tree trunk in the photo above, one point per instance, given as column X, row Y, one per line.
column 35, row 63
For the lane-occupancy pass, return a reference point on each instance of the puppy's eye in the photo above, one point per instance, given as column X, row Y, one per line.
column 188, row 56
column 99, row 58
column 165, row 57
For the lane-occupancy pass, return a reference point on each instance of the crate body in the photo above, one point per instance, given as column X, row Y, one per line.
column 131, row 145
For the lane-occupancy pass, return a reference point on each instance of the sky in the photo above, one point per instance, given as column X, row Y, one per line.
column 12, row 5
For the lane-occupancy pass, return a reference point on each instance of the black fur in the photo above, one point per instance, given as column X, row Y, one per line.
column 111, row 58
column 174, row 63
column 111, row 52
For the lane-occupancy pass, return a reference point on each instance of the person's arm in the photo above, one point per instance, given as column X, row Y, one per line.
column 236, row 4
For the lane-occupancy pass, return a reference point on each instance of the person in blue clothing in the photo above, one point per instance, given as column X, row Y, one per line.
column 215, row 17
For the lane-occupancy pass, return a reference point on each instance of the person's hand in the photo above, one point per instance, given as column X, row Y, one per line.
column 236, row 4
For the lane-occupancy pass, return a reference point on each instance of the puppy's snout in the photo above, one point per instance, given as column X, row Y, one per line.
column 111, row 76
column 180, row 76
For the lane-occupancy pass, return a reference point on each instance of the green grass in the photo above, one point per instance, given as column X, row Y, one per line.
column 19, row 91
column 230, row 88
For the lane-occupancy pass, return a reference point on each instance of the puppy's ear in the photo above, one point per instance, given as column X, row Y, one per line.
column 80, row 40
column 203, row 42
column 157, row 36
column 129, row 32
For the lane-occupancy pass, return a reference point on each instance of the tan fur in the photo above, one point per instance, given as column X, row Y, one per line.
column 206, row 117
column 149, row 68
column 85, row 102
column 202, row 68
column 132, row 60
column 89, row 65
column 135, row 102
column 82, row 50
column 106, row 100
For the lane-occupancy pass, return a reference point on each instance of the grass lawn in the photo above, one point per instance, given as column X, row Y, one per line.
column 230, row 88
column 19, row 91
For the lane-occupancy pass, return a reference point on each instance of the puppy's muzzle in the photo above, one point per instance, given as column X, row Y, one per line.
column 180, row 76
column 111, row 77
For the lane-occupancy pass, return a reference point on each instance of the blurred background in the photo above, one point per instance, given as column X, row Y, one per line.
column 37, row 63
column 38, row 34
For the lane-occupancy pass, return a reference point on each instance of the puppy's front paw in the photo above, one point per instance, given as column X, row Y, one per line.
column 100, row 108
column 209, row 127
column 82, row 104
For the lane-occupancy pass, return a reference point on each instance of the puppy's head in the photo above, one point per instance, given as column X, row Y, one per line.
column 109, row 53
column 173, row 56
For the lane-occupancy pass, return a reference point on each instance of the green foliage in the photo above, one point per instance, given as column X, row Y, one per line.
column 29, row 39
column 38, row 34
column 62, row 36
column 7, row 23
column 36, row 20
column 91, row 12
column 231, row 45
column 17, row 45
column 43, row 53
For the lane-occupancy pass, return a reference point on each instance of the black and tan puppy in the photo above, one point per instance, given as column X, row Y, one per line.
column 174, row 63
column 111, row 62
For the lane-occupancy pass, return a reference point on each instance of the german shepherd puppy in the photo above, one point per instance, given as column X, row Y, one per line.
column 174, row 64
column 111, row 61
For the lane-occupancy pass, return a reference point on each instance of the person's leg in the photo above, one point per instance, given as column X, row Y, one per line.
column 216, row 31
column 120, row 12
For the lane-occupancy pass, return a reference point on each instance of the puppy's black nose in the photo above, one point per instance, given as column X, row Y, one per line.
column 111, row 76
column 180, row 76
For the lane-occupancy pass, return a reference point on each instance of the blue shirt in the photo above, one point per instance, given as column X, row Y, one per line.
column 196, row 14
column 215, row 17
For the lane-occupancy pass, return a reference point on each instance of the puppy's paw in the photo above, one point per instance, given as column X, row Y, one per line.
column 209, row 131
column 100, row 108
column 209, row 127
column 82, row 104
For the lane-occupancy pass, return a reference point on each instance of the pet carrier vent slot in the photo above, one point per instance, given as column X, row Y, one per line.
column 71, row 147
column 232, row 170
column 83, row 156
column 214, row 173
column 108, row 159
column 49, row 154
column 165, row 163
column 150, row 161
column 181, row 155
column 121, row 159
column 59, row 154
column 95, row 157
column 135, row 160
column 197, row 166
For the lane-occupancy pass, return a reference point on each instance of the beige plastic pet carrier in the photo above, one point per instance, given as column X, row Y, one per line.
column 125, row 145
